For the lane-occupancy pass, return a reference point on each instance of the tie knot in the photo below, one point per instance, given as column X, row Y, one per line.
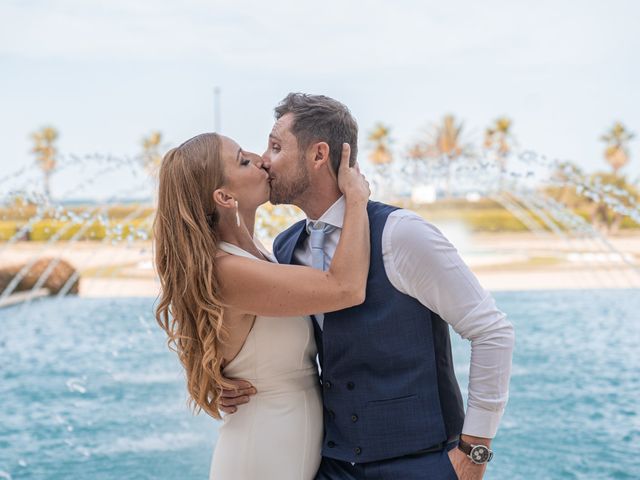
column 317, row 227
column 317, row 232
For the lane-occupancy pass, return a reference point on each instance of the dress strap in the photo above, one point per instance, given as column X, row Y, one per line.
column 264, row 250
column 235, row 250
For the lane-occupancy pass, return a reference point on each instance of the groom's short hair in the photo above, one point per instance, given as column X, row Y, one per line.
column 317, row 118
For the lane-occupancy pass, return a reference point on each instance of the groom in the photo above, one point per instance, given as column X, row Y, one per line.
column 392, row 405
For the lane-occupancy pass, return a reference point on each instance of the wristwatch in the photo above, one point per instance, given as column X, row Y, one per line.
column 479, row 454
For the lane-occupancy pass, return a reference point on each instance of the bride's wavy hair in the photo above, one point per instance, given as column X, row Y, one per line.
column 185, row 234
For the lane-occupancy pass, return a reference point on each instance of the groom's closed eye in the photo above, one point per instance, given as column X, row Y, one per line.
column 274, row 143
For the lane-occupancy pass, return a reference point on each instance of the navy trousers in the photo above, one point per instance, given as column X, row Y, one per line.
column 427, row 466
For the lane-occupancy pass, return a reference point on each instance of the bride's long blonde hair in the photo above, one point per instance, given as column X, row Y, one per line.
column 185, row 243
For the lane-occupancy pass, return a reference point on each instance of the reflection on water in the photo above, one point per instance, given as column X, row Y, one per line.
column 89, row 390
column 573, row 409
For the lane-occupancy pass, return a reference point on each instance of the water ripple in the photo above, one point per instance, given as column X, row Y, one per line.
column 88, row 392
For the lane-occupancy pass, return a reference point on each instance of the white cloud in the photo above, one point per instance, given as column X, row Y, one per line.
column 332, row 35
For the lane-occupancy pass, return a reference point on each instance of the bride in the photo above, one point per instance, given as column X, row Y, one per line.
column 230, row 311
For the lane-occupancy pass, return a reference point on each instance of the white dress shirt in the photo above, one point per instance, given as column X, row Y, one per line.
column 419, row 261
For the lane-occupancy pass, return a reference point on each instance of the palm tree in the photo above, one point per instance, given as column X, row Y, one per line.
column 380, row 140
column 565, row 178
column 45, row 152
column 617, row 151
column 618, row 191
column 498, row 137
column 151, row 156
column 417, row 151
column 445, row 141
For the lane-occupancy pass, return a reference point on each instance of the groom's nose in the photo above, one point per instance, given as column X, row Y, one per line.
column 266, row 161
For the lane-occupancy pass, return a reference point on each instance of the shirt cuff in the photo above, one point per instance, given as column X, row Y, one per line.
column 481, row 423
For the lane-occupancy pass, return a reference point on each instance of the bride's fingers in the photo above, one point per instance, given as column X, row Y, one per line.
column 345, row 156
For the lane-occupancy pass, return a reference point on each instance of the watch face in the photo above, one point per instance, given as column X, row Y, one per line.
column 480, row 454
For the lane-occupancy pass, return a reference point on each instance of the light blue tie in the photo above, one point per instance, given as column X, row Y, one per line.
column 317, row 232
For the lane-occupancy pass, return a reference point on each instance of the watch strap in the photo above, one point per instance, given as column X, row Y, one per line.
column 464, row 446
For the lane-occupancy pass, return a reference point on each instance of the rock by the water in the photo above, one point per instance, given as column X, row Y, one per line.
column 54, row 282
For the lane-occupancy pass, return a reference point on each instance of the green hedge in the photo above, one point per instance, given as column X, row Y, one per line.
column 8, row 230
column 487, row 218
column 482, row 220
column 23, row 213
column 46, row 229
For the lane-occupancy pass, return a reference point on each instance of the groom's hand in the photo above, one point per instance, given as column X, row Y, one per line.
column 239, row 394
column 464, row 467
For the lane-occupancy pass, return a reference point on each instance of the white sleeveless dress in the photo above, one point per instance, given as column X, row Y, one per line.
column 278, row 434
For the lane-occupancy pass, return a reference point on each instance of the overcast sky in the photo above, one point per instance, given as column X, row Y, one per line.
column 107, row 73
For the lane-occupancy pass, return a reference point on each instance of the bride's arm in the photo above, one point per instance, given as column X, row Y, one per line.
column 263, row 288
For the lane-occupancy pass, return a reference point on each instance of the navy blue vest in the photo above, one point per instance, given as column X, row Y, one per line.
column 388, row 383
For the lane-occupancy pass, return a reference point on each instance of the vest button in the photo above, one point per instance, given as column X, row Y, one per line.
column 332, row 414
column 351, row 386
column 354, row 418
column 358, row 450
column 327, row 385
column 331, row 444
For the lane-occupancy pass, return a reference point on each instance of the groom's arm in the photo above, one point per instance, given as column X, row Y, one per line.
column 422, row 263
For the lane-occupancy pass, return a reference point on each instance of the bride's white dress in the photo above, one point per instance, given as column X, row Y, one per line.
column 278, row 434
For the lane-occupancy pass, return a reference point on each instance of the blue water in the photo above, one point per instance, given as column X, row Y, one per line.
column 88, row 390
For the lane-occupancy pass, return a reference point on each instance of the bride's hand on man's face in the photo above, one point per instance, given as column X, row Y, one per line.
column 231, row 398
column 351, row 182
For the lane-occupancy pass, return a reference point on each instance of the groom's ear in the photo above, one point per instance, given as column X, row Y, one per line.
column 320, row 155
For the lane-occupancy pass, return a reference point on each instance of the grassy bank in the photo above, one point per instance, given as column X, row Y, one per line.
column 489, row 216
column 134, row 221
column 84, row 223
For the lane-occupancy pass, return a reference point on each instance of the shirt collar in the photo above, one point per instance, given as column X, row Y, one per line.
column 334, row 214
